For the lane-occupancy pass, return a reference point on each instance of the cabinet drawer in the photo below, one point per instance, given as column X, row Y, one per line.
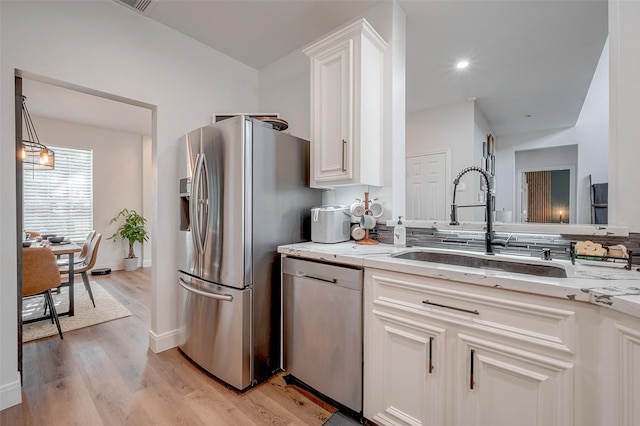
column 528, row 318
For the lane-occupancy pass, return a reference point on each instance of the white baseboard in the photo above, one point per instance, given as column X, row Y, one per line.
column 162, row 342
column 11, row 394
column 146, row 263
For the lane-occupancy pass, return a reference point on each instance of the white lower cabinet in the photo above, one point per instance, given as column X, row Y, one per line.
column 435, row 355
column 619, row 370
column 504, row 385
column 407, row 374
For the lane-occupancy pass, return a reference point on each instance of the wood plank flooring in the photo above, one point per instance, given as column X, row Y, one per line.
column 106, row 375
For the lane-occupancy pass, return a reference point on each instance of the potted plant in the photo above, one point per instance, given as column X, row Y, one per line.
column 133, row 230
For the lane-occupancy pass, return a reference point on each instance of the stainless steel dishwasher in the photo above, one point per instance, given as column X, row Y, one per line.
column 322, row 328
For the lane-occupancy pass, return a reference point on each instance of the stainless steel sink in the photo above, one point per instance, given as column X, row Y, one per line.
column 485, row 262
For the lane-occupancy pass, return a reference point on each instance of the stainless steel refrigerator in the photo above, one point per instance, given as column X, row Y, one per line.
column 243, row 191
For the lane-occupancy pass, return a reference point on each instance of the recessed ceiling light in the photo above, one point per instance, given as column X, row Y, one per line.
column 462, row 64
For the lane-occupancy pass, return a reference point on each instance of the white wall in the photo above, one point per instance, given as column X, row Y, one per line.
column 624, row 149
column 117, row 178
column 450, row 128
column 590, row 133
column 285, row 88
column 104, row 46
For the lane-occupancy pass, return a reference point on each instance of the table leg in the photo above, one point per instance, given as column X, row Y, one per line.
column 71, row 298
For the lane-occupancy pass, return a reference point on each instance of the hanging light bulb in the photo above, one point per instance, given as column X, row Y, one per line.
column 35, row 155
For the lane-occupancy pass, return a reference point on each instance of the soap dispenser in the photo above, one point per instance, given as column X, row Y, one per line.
column 399, row 234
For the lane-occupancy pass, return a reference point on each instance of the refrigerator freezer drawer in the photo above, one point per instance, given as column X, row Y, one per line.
column 215, row 329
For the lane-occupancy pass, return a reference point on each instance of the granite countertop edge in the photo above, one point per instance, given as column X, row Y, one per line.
column 612, row 288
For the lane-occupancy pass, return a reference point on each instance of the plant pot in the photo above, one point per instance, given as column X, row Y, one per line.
column 130, row 263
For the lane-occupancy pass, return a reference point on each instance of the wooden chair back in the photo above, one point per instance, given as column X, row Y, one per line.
column 39, row 271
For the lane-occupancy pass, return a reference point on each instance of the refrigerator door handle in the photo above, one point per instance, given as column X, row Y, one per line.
column 194, row 208
column 225, row 297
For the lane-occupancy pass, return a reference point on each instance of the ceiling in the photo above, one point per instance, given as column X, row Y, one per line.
column 531, row 62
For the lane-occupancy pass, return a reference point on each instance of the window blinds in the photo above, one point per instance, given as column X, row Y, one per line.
column 60, row 201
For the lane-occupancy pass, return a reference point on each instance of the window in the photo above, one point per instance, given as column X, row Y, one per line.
column 60, row 201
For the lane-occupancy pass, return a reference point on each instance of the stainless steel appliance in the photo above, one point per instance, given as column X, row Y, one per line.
column 243, row 191
column 330, row 224
column 322, row 328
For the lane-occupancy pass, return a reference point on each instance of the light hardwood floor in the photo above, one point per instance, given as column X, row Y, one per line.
column 106, row 375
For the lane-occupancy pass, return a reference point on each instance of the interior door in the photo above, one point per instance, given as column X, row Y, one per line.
column 426, row 187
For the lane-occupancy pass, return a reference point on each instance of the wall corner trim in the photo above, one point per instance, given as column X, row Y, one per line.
column 11, row 393
column 163, row 341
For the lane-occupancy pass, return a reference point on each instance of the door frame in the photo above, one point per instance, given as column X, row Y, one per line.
column 573, row 214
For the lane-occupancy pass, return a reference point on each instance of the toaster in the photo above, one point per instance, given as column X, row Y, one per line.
column 330, row 224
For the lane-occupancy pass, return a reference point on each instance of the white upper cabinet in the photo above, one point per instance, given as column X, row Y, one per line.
column 347, row 69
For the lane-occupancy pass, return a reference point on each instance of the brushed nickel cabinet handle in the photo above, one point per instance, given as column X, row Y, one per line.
column 430, row 355
column 474, row 312
column 471, row 370
column 344, row 155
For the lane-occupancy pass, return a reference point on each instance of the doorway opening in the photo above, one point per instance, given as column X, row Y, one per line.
column 79, row 117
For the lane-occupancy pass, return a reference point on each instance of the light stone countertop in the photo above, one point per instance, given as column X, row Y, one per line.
column 608, row 285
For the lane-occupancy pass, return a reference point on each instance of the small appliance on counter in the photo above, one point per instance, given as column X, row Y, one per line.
column 330, row 224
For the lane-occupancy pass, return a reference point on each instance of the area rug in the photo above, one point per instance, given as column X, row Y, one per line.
column 107, row 309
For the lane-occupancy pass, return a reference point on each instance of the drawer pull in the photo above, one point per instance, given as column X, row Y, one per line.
column 469, row 311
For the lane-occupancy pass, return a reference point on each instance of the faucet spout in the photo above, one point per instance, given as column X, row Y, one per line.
column 488, row 206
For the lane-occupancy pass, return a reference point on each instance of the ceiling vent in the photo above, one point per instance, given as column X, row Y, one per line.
column 140, row 6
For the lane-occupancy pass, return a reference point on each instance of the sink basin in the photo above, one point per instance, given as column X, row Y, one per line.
column 482, row 261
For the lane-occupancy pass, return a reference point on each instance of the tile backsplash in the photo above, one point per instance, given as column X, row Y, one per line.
column 513, row 243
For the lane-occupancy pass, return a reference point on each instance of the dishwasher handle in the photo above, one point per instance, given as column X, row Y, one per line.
column 316, row 277
column 225, row 297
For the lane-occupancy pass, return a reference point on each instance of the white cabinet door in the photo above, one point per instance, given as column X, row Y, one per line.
column 332, row 149
column 503, row 385
column 347, row 110
column 404, row 375
column 628, row 377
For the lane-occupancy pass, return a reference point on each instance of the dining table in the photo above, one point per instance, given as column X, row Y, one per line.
column 68, row 249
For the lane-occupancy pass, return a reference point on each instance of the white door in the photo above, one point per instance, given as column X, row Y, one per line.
column 426, row 187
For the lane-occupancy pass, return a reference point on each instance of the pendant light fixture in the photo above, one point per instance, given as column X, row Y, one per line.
column 35, row 156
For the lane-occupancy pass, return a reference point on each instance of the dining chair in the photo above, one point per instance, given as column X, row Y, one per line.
column 88, row 262
column 40, row 275
column 83, row 254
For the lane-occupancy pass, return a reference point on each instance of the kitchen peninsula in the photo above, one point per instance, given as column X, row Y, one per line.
column 447, row 344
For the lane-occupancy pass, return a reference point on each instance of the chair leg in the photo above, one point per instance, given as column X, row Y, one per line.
column 87, row 285
column 46, row 307
column 54, row 313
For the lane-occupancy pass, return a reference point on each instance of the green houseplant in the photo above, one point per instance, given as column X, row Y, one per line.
column 133, row 230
